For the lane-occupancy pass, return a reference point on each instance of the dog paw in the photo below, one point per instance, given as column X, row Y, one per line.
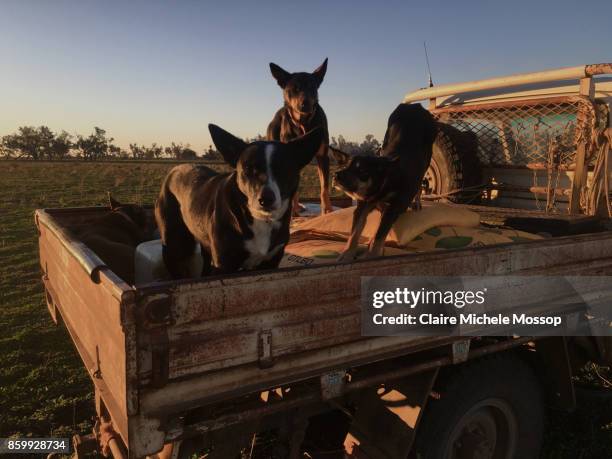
column 326, row 205
column 374, row 251
column 347, row 256
column 297, row 210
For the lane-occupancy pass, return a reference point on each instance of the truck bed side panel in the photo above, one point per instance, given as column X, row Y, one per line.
column 219, row 325
column 92, row 314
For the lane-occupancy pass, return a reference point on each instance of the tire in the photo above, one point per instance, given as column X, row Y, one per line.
column 489, row 409
column 454, row 166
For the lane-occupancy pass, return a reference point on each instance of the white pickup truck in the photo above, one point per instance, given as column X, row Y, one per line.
column 206, row 362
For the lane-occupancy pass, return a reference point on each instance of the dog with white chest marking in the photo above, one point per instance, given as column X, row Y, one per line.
column 240, row 219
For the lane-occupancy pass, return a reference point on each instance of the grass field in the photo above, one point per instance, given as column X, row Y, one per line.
column 44, row 389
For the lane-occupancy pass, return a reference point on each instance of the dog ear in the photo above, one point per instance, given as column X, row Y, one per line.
column 319, row 73
column 112, row 202
column 228, row 145
column 341, row 158
column 305, row 148
column 280, row 75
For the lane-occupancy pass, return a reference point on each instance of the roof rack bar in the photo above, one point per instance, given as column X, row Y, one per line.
column 566, row 73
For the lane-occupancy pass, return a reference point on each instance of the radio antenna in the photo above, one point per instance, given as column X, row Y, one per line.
column 428, row 68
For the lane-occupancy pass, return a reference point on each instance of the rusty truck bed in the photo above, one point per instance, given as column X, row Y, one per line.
column 158, row 351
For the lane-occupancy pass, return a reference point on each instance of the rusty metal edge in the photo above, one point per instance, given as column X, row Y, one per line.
column 86, row 257
column 598, row 69
column 256, row 276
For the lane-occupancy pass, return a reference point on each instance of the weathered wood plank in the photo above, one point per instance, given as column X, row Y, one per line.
column 92, row 314
column 217, row 323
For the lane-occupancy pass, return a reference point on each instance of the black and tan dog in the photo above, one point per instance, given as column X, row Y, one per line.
column 115, row 235
column 391, row 181
column 301, row 113
column 240, row 219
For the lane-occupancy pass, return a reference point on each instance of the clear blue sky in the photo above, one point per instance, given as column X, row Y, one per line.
column 161, row 71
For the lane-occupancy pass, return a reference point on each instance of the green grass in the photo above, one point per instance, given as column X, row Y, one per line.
column 44, row 389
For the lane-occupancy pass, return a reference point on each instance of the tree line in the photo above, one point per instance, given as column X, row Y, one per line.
column 41, row 143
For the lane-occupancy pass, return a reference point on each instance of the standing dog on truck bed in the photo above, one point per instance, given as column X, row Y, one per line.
column 300, row 114
column 240, row 219
column 391, row 181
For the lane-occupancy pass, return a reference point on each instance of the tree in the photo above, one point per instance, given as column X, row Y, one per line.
column 27, row 141
column 257, row 138
column 180, row 151
column 154, row 151
column 211, row 154
column 95, row 146
column 61, row 145
column 45, row 139
column 174, row 150
column 137, row 151
column 370, row 146
column 343, row 145
column 114, row 151
column 188, row 154
column 36, row 143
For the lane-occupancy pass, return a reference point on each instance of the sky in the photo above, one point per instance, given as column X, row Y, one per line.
column 161, row 71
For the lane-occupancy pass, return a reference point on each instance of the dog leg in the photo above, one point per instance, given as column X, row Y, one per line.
column 206, row 261
column 178, row 244
column 176, row 256
column 359, row 220
column 273, row 262
column 416, row 204
column 224, row 262
column 323, row 170
column 296, row 207
column 389, row 216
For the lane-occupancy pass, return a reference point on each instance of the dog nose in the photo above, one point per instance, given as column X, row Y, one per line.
column 267, row 198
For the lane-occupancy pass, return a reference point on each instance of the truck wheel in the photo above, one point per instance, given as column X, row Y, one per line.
column 489, row 409
column 454, row 166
